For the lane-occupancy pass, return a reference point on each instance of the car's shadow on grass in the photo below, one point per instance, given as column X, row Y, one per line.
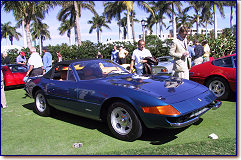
column 154, row 136
column 163, row 135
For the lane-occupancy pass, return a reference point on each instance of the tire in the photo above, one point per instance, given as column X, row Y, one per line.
column 220, row 87
column 41, row 106
column 123, row 122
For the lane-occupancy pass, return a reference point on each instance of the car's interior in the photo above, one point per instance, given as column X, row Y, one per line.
column 85, row 71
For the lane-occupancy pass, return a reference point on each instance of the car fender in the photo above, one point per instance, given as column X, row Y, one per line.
column 215, row 75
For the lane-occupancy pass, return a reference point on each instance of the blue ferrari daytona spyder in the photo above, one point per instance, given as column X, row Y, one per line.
column 102, row 90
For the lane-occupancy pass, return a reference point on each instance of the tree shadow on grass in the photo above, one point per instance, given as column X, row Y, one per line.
column 154, row 136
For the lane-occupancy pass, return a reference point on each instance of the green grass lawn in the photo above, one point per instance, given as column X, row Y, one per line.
column 25, row 133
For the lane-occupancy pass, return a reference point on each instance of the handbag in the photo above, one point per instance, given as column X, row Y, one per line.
column 189, row 63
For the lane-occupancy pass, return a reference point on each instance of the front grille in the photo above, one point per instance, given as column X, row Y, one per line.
column 188, row 116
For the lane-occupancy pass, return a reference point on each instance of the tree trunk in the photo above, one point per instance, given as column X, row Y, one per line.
column 77, row 22
column 120, row 32
column 24, row 34
column 206, row 29
column 98, row 35
column 231, row 19
column 128, row 25
column 215, row 23
column 70, row 40
column 75, row 35
column 161, row 35
column 40, row 45
column 27, row 29
column 6, row 39
column 132, row 25
column 174, row 22
column 198, row 24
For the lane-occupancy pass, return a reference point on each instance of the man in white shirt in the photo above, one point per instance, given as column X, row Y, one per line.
column 137, row 57
column 35, row 64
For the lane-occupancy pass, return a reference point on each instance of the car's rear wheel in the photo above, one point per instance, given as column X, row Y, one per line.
column 41, row 106
column 219, row 86
column 123, row 122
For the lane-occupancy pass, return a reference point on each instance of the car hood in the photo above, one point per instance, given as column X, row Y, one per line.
column 168, row 89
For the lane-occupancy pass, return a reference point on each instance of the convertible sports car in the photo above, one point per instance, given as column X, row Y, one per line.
column 102, row 90
column 13, row 74
column 218, row 75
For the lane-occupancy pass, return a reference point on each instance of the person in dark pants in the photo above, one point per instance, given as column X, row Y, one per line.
column 35, row 64
column 199, row 51
column 47, row 60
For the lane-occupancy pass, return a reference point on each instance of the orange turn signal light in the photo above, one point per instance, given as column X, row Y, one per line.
column 164, row 110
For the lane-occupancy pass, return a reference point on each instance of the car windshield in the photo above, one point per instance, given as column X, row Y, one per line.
column 165, row 59
column 98, row 69
column 18, row 68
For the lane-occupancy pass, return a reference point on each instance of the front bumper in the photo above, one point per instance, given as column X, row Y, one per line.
column 193, row 117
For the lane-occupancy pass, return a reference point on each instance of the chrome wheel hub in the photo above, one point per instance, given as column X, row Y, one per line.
column 40, row 102
column 217, row 87
column 121, row 121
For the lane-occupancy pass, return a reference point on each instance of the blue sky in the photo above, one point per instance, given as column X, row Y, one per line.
column 112, row 34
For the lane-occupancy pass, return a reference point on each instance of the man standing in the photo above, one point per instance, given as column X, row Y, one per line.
column 21, row 59
column 35, row 64
column 179, row 51
column 6, row 59
column 137, row 57
column 198, row 58
column 47, row 60
column 114, row 55
column 122, row 55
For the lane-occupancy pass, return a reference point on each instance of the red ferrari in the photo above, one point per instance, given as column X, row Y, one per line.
column 13, row 74
column 218, row 75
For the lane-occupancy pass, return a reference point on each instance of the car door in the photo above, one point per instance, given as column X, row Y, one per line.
column 62, row 92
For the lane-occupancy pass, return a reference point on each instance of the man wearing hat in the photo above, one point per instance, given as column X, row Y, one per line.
column 21, row 59
column 47, row 60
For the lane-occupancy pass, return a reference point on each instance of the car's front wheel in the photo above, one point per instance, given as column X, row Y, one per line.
column 219, row 86
column 123, row 122
column 41, row 106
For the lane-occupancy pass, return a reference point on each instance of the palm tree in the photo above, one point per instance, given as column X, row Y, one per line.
column 72, row 10
column 231, row 4
column 160, row 8
column 207, row 19
column 66, row 26
column 9, row 32
column 39, row 31
column 113, row 10
column 129, row 7
column 133, row 19
column 123, row 24
column 26, row 11
column 178, row 5
column 197, row 6
column 97, row 23
column 184, row 18
column 211, row 5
